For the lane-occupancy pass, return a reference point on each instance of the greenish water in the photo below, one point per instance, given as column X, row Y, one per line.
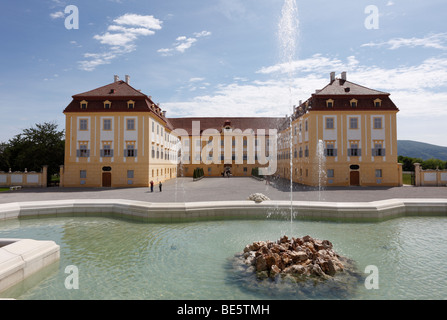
column 119, row 259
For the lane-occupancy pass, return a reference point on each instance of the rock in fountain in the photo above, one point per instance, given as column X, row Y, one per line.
column 305, row 266
column 258, row 197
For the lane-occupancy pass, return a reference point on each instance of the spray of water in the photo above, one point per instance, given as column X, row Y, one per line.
column 288, row 32
column 321, row 162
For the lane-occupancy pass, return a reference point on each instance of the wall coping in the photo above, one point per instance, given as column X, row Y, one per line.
column 166, row 212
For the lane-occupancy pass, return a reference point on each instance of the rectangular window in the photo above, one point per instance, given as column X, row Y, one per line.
column 83, row 174
column 107, row 124
column 107, row 151
column 354, row 151
column 377, row 123
column 330, row 150
column 378, row 173
column 83, row 152
column 83, row 124
column 378, row 150
column 130, row 174
column 329, row 123
column 130, row 152
column 130, row 124
column 353, row 123
column 330, row 173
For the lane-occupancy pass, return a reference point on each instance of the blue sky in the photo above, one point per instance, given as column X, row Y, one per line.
column 222, row 57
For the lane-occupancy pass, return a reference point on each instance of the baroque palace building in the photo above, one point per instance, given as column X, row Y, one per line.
column 116, row 136
column 343, row 135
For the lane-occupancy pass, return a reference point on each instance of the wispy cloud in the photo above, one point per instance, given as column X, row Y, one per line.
column 183, row 43
column 316, row 63
column 433, row 41
column 121, row 37
column 57, row 15
column 412, row 88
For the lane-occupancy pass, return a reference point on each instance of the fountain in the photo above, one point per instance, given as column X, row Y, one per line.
column 321, row 162
column 287, row 34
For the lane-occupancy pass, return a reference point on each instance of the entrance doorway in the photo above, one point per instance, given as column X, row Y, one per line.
column 355, row 178
column 107, row 179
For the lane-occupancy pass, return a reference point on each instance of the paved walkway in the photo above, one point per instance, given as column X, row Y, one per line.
column 225, row 189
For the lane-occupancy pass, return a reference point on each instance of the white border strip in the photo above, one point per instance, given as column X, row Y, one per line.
column 147, row 211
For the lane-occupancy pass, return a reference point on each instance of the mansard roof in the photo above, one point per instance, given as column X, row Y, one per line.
column 345, row 88
column 119, row 93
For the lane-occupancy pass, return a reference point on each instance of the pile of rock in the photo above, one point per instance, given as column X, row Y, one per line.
column 297, row 257
column 258, row 197
column 302, row 267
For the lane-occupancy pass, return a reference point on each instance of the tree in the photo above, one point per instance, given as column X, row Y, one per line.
column 33, row 148
column 433, row 164
column 408, row 162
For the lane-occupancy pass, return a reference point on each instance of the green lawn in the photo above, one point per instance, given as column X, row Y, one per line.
column 407, row 178
column 4, row 189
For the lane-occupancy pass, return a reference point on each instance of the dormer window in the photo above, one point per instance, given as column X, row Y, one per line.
column 107, row 104
column 84, row 105
column 131, row 104
column 330, row 103
column 353, row 103
column 377, row 103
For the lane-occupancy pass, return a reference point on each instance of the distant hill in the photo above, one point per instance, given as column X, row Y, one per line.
column 415, row 149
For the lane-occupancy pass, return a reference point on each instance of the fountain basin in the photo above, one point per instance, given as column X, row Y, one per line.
column 172, row 212
column 21, row 258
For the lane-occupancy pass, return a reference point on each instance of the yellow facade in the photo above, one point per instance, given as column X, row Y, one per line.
column 117, row 167
column 346, row 146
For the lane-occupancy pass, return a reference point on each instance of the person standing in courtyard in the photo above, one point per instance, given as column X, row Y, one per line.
column 160, row 185
column 152, row 186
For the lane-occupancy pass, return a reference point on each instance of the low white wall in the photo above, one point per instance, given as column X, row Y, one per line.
column 166, row 212
column 24, row 179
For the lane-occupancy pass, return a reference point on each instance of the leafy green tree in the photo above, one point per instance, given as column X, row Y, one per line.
column 408, row 162
column 433, row 164
column 33, row 148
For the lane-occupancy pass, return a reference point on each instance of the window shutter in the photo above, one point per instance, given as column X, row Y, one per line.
column 125, row 153
column 335, row 152
column 101, row 153
column 135, row 153
column 78, row 153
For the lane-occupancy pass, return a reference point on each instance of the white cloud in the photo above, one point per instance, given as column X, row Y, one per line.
column 414, row 89
column 148, row 22
column 57, row 15
column 202, row 34
column 390, row 3
column 434, row 41
column 120, row 37
column 183, row 43
column 196, row 79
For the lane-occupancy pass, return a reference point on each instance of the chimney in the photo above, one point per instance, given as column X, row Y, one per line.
column 164, row 114
column 127, row 79
column 343, row 76
column 116, row 78
column 332, row 77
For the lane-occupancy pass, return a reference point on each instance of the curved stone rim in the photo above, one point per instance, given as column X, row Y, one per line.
column 175, row 212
